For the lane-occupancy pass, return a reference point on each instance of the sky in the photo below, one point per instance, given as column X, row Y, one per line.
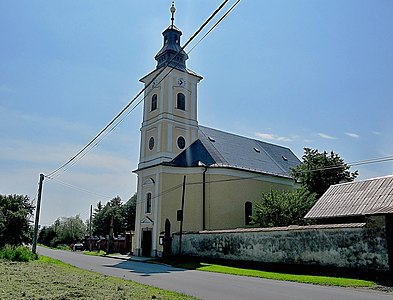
column 297, row 73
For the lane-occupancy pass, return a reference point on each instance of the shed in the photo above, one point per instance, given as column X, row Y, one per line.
column 354, row 201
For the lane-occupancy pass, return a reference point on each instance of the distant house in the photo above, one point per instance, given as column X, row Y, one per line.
column 355, row 202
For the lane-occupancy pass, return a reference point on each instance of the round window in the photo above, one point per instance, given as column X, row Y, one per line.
column 151, row 143
column 181, row 142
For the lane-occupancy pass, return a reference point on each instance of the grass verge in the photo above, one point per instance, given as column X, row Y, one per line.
column 17, row 253
column 95, row 253
column 47, row 278
column 313, row 279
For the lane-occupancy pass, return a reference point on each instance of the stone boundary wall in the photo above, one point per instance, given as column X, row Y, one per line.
column 339, row 245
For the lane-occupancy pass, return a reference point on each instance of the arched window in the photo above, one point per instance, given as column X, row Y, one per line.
column 151, row 143
column 154, row 102
column 248, row 212
column 148, row 203
column 181, row 101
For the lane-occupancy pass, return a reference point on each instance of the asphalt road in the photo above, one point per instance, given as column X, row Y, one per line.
column 206, row 285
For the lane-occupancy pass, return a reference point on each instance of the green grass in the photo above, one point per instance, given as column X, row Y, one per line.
column 313, row 279
column 47, row 278
column 17, row 253
column 95, row 253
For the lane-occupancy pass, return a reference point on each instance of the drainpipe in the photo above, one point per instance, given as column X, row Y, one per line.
column 204, row 199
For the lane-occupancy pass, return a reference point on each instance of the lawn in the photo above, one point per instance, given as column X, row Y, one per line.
column 301, row 278
column 313, row 279
column 47, row 278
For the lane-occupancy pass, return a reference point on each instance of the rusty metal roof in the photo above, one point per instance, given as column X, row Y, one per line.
column 368, row 197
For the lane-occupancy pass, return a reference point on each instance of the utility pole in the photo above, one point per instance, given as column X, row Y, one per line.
column 181, row 215
column 91, row 213
column 37, row 215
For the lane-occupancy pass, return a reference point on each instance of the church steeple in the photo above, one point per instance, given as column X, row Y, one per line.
column 171, row 53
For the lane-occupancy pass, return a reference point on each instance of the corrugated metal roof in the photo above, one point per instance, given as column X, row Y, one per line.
column 372, row 196
column 380, row 211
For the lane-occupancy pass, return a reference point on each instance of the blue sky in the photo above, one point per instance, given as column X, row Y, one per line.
column 315, row 74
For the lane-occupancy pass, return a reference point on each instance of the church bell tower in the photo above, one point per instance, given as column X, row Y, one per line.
column 169, row 126
column 170, row 103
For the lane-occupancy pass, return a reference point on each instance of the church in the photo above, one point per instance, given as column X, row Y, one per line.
column 215, row 176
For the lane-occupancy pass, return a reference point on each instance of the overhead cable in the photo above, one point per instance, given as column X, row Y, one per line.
column 56, row 172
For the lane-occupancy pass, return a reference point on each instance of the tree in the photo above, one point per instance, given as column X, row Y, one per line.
column 47, row 236
column 102, row 218
column 15, row 215
column 129, row 213
column 319, row 171
column 70, row 230
column 283, row 208
column 65, row 230
column 123, row 216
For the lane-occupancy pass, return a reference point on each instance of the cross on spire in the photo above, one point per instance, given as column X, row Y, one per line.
column 171, row 53
column 173, row 10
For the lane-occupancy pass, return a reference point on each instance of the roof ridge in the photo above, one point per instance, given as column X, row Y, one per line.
column 363, row 180
column 245, row 137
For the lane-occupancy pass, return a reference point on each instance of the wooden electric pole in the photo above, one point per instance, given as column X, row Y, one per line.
column 37, row 215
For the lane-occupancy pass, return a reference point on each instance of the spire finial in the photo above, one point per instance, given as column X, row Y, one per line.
column 173, row 10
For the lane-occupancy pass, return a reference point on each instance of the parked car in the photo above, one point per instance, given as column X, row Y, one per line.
column 78, row 246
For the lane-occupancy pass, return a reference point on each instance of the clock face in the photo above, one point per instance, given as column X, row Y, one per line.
column 181, row 82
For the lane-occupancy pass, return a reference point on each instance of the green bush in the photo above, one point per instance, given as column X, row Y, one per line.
column 63, row 247
column 18, row 253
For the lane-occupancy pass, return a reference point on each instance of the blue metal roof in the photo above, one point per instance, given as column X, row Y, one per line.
column 217, row 148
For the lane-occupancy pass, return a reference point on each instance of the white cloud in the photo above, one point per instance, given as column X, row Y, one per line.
column 274, row 137
column 102, row 171
column 326, row 136
column 59, row 200
column 28, row 119
column 52, row 156
column 352, row 135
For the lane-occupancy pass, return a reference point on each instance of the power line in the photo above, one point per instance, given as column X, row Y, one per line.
column 92, row 142
column 169, row 190
column 115, row 122
column 351, row 164
column 372, row 161
column 78, row 188
column 214, row 26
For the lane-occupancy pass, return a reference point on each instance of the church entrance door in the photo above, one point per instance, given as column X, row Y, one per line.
column 146, row 243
